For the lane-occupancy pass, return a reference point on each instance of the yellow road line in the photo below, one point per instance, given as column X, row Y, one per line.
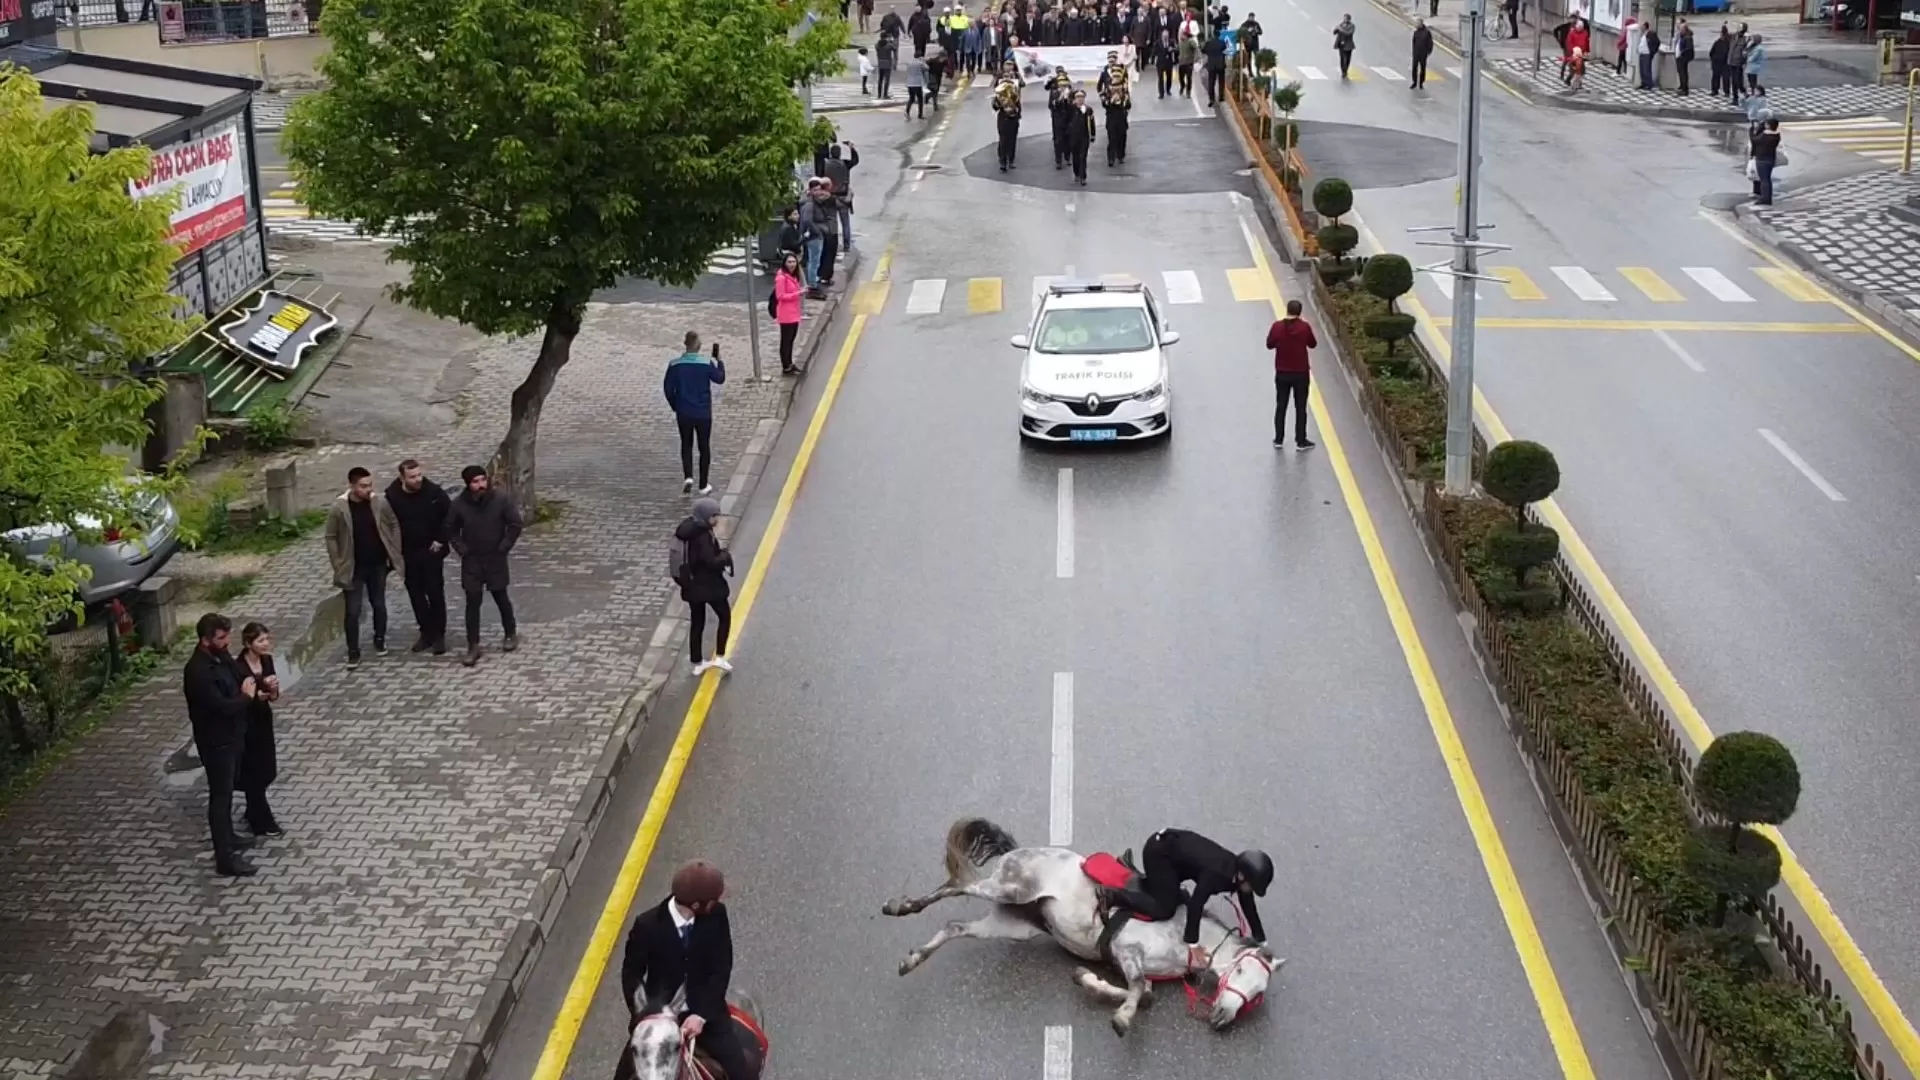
column 1879, row 1001
column 1655, row 286
column 1792, row 283
column 1552, row 1001
column 1658, row 324
column 1248, row 283
column 606, row 932
column 983, row 295
column 1519, row 286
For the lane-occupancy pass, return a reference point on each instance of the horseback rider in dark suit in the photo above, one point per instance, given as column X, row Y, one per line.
column 687, row 942
column 1172, row 857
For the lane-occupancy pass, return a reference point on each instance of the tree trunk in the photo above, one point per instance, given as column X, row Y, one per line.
column 512, row 466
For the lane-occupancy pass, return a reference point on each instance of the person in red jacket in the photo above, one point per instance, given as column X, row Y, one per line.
column 1290, row 338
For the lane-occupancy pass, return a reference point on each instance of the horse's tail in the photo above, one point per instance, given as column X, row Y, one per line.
column 971, row 844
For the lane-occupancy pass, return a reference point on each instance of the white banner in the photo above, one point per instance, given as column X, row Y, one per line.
column 1038, row 61
column 210, row 173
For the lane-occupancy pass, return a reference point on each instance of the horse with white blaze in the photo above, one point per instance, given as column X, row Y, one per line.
column 1052, row 891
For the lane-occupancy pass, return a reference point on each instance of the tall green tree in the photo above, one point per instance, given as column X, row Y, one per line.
column 83, row 297
column 527, row 153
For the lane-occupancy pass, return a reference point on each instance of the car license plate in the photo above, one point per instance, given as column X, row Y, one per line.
column 1105, row 434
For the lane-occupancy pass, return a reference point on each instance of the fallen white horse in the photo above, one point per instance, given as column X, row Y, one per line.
column 1048, row 891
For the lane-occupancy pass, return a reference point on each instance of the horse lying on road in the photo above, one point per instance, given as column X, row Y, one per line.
column 1052, row 891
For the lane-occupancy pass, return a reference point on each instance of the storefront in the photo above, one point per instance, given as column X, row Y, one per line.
column 200, row 127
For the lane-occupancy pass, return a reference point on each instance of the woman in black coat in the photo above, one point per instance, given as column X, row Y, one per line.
column 259, row 758
column 702, row 576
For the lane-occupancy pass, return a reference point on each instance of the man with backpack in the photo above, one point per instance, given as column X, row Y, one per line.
column 699, row 565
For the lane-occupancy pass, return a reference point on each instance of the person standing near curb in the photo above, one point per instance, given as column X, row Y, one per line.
column 483, row 526
column 1290, row 339
column 689, row 384
column 363, row 544
column 700, row 568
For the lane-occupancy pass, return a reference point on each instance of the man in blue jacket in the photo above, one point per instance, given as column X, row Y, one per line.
column 689, row 386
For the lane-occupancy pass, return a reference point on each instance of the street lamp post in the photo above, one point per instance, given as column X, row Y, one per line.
column 1464, row 267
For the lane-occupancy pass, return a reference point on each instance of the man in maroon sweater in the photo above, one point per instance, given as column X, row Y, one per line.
column 1290, row 338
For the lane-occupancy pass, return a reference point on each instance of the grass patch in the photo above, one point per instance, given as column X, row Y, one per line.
column 230, row 588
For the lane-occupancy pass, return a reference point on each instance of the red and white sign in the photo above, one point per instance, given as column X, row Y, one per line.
column 210, row 173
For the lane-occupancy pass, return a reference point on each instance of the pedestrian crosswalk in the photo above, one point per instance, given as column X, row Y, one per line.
column 1873, row 137
column 1357, row 73
column 925, row 297
column 1701, row 284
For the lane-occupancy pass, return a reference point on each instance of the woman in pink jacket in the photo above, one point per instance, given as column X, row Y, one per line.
column 787, row 291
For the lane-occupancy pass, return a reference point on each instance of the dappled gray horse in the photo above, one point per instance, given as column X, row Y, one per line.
column 1046, row 891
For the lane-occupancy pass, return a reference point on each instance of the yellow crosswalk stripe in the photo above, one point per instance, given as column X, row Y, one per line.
column 983, row 295
column 1248, row 283
column 1519, row 285
column 1652, row 284
column 1792, row 283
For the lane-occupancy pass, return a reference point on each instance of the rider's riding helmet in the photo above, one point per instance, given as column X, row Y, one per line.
column 699, row 882
column 1254, row 865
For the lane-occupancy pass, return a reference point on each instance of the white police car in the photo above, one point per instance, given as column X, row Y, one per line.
column 1096, row 365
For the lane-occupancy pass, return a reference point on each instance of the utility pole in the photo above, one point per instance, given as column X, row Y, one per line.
column 1464, row 268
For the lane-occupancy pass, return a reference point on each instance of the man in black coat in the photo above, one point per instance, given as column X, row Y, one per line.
column 687, row 942
column 217, row 694
column 482, row 526
column 421, row 507
column 1172, row 857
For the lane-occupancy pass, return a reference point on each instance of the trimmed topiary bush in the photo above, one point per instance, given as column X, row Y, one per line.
column 1332, row 197
column 1518, row 473
column 1744, row 778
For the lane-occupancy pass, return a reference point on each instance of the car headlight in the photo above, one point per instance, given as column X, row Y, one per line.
column 1156, row 390
column 1034, row 397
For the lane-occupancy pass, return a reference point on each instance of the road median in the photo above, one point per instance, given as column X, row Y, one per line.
column 1684, row 884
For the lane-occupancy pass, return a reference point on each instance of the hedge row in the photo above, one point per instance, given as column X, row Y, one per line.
column 1764, row 1026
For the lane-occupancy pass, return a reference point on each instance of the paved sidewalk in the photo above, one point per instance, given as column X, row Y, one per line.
column 1846, row 232
column 434, row 813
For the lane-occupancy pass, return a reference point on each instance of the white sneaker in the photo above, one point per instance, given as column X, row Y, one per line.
column 701, row 667
column 722, row 663
column 705, row 489
column 688, row 486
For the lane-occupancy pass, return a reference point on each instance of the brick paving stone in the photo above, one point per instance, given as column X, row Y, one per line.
column 422, row 799
column 1844, row 226
column 1602, row 85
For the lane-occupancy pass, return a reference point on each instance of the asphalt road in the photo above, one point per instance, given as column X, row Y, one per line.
column 1738, row 460
column 1232, row 667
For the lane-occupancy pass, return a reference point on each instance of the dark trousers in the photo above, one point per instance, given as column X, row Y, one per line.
column 475, row 592
column 1009, row 137
column 697, row 627
column 222, row 764
column 1166, row 81
column 1216, row 85
column 829, row 250
column 1116, row 135
column 370, row 583
column 1419, row 71
column 426, row 575
column 702, row 430
column 1292, row 385
column 789, row 332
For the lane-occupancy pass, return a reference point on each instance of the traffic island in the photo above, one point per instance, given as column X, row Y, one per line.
column 1682, row 870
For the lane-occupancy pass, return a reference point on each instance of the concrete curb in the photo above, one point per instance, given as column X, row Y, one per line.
column 1902, row 324
column 475, row 1050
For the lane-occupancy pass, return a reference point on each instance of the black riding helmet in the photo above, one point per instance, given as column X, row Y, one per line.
column 1256, row 868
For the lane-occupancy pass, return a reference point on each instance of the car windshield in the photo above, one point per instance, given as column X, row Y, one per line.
column 1094, row 330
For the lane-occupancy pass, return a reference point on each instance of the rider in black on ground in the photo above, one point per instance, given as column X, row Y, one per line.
column 1172, row 857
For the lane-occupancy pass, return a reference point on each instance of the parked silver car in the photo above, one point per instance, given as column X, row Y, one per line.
column 120, row 563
